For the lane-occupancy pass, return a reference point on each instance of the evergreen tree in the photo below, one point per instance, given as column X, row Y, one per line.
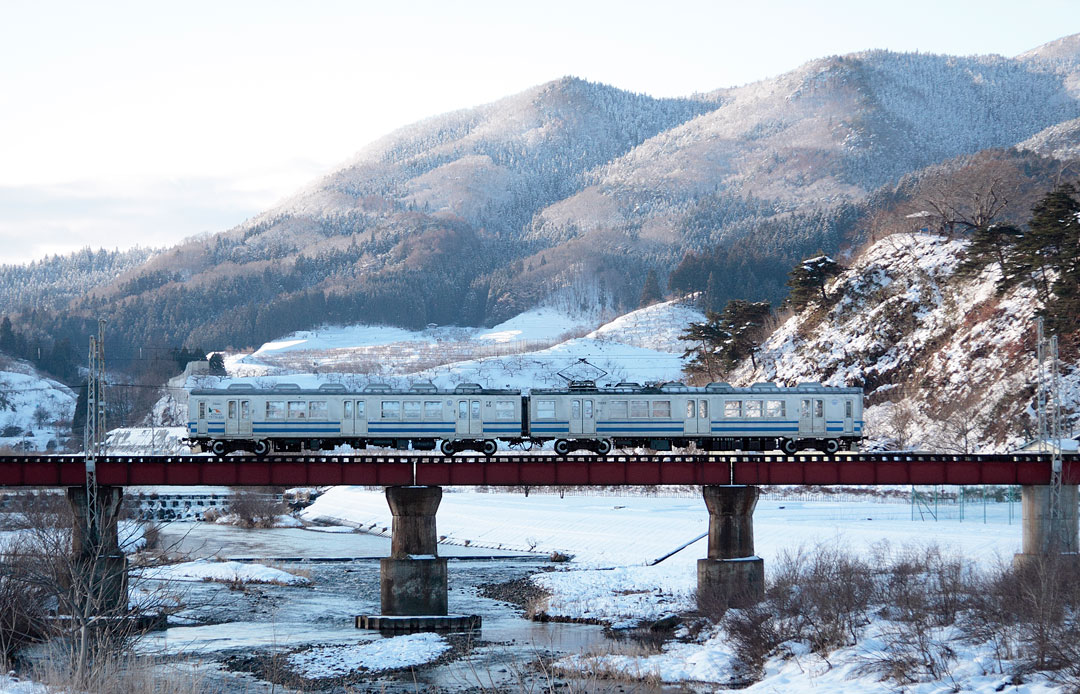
column 217, row 365
column 1050, row 243
column 78, row 419
column 7, row 336
column 726, row 338
column 992, row 243
column 713, row 293
column 807, row 280
column 650, row 293
column 707, row 339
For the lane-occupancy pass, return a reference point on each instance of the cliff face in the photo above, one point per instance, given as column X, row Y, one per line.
column 946, row 361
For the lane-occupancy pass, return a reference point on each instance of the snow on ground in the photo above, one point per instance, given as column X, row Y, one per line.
column 654, row 327
column 712, row 661
column 524, row 352
column 10, row 684
column 35, row 411
column 224, row 572
column 384, row 654
column 147, row 440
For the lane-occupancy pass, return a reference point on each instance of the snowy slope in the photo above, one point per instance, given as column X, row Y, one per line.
column 35, row 411
column 526, row 351
column 946, row 362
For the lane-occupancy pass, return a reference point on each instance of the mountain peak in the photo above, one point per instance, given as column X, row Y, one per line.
column 1067, row 48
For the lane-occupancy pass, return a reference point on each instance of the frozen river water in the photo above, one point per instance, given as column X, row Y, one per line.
column 226, row 624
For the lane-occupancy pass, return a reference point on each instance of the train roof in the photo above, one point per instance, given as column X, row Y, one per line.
column 239, row 389
column 712, row 388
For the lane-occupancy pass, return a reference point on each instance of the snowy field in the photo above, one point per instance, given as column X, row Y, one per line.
column 614, row 539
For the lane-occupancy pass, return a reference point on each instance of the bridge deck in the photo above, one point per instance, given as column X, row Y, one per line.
column 517, row 470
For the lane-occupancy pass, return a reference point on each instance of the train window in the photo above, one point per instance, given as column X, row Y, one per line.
column 360, row 414
column 819, row 408
column 587, row 404
column 411, row 409
column 432, row 409
column 703, row 409
column 848, row 408
column 804, row 409
column 733, row 408
column 391, row 409
column 232, row 409
column 317, row 409
column 297, row 409
column 202, row 409
column 753, row 409
column 476, row 409
column 775, row 408
column 348, row 409
column 504, row 409
column 617, row 409
column 245, row 409
column 545, row 409
column 690, row 409
column 575, row 409
column 639, row 408
column 275, row 409
column 463, row 409
column 662, row 409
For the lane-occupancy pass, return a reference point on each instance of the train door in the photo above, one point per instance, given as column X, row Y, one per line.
column 697, row 417
column 582, row 416
column 812, row 417
column 238, row 418
column 469, row 422
column 348, row 416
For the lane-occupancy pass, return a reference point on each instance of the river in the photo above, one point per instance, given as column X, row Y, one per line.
column 224, row 631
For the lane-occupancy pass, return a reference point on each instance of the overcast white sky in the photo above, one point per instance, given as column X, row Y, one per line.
column 125, row 123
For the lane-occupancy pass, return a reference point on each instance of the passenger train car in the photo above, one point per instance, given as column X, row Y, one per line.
column 581, row 416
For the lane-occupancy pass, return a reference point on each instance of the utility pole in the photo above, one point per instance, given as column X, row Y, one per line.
column 1050, row 421
column 94, row 431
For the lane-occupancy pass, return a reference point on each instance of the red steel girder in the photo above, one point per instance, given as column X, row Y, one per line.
column 535, row 470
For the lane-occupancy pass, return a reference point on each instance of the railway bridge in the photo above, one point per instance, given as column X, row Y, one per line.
column 414, row 580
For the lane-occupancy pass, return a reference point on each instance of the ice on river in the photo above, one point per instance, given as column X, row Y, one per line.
column 384, row 654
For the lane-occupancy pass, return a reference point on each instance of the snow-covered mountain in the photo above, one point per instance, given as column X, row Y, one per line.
column 573, row 191
column 946, row 361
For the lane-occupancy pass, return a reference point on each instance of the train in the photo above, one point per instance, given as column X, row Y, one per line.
column 580, row 416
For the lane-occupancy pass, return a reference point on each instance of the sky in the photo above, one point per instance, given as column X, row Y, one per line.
column 142, row 123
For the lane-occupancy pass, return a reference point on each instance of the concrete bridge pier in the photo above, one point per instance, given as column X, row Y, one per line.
column 732, row 573
column 101, row 581
column 1040, row 538
column 412, row 580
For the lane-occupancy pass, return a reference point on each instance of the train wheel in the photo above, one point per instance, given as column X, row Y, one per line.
column 562, row 447
column 489, row 447
column 603, row 446
column 447, row 447
column 218, row 448
column 789, row 446
column 262, row 447
column 832, row 446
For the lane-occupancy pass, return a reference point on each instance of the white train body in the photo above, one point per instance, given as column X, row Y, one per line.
column 288, row 418
column 581, row 416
